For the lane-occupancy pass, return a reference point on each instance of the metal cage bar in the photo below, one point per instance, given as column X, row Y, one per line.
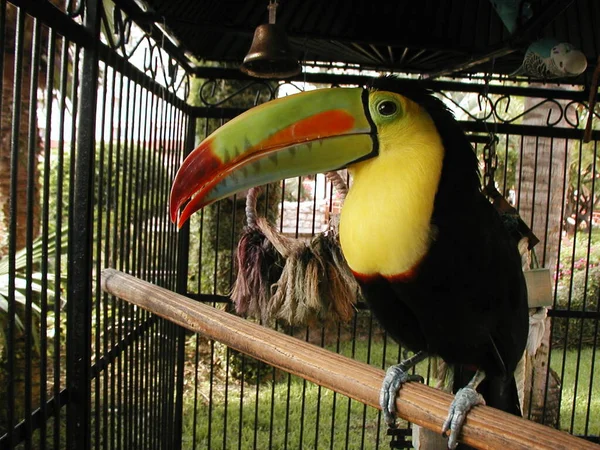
column 95, row 120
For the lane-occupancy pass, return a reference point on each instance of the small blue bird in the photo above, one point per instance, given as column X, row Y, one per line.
column 549, row 58
column 513, row 13
column 545, row 58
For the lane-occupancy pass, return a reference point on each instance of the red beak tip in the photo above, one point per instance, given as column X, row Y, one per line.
column 173, row 215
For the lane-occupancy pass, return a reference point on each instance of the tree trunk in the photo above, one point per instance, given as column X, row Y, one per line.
column 541, row 184
column 19, row 340
column 6, row 125
column 542, row 389
column 540, row 203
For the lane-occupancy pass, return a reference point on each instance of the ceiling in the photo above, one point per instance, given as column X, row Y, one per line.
column 427, row 37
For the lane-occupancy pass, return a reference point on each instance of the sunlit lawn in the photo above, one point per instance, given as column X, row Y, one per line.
column 580, row 407
column 286, row 412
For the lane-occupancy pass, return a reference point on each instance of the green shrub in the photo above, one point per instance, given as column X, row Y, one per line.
column 577, row 290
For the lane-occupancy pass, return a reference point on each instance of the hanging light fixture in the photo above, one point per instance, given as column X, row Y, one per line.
column 270, row 55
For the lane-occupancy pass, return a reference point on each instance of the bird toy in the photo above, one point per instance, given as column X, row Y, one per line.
column 279, row 277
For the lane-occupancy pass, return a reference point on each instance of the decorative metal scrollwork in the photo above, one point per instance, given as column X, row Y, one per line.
column 288, row 85
column 553, row 107
column 576, row 113
column 484, row 103
column 499, row 109
column 210, row 94
column 122, row 29
column 470, row 106
column 134, row 44
column 161, row 67
column 117, row 31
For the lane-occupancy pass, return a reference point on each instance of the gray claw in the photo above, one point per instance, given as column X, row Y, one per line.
column 395, row 377
column 464, row 400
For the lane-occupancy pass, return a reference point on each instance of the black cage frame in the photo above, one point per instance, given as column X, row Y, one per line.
column 121, row 381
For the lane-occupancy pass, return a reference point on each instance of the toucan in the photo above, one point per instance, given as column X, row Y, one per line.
column 432, row 256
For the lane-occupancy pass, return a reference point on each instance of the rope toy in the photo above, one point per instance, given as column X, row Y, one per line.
column 300, row 282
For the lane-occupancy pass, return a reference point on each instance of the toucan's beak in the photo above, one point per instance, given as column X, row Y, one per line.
column 310, row 132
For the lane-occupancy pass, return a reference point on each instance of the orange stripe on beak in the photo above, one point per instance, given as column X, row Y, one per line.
column 202, row 169
column 321, row 125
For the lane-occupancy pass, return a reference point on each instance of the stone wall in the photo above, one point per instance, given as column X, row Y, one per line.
column 303, row 221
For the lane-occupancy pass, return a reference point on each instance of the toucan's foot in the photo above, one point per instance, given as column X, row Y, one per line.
column 464, row 400
column 395, row 377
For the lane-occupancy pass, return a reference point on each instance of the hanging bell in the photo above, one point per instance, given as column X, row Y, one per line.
column 270, row 55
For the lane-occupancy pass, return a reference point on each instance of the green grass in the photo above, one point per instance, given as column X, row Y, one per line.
column 286, row 412
column 302, row 414
column 579, row 413
column 307, row 424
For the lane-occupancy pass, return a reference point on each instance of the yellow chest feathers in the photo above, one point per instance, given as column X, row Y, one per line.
column 385, row 225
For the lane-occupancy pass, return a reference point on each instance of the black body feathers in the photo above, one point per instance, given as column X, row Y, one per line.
column 467, row 302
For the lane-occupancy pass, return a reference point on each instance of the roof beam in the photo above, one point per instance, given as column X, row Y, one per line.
column 397, row 39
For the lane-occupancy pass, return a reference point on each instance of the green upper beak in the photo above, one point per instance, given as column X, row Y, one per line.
column 310, row 132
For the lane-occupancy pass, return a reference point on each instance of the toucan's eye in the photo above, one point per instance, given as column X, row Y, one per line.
column 387, row 108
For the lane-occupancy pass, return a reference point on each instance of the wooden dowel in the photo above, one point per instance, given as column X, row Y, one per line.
column 485, row 427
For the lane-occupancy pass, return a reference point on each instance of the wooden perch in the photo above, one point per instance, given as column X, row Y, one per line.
column 485, row 427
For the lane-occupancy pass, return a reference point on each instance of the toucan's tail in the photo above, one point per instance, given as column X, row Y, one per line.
column 501, row 393
column 498, row 391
